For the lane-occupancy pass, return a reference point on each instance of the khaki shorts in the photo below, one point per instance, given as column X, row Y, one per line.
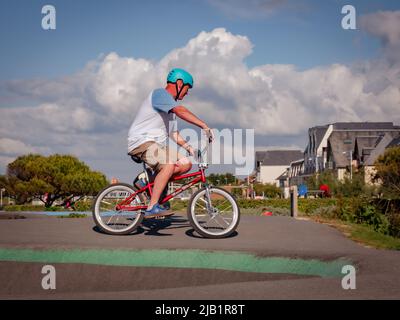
column 156, row 155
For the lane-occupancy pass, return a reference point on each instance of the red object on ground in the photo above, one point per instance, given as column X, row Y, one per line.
column 267, row 213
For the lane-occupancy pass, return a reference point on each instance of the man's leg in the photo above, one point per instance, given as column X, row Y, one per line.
column 169, row 163
column 164, row 176
column 182, row 166
column 160, row 182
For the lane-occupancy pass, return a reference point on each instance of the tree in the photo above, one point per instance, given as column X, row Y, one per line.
column 387, row 169
column 50, row 178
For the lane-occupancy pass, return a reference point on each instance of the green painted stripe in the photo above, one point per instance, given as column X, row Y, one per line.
column 199, row 259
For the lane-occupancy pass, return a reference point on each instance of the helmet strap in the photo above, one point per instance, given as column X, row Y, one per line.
column 178, row 92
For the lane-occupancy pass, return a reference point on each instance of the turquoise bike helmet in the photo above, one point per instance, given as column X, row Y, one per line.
column 176, row 74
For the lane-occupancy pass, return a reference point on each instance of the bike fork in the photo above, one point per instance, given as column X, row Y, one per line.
column 210, row 208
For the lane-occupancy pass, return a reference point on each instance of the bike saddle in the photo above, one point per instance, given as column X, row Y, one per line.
column 136, row 159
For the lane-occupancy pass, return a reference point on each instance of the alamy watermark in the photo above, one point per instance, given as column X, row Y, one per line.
column 349, row 280
column 49, row 280
column 49, row 18
column 229, row 147
column 349, row 21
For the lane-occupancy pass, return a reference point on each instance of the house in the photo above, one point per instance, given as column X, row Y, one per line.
column 296, row 172
column 271, row 164
column 283, row 179
column 366, row 157
column 293, row 175
column 283, row 182
column 315, row 152
column 333, row 146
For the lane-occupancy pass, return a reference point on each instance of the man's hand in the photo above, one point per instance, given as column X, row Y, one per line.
column 190, row 150
column 209, row 134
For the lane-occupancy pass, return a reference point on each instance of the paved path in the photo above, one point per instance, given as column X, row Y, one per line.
column 269, row 258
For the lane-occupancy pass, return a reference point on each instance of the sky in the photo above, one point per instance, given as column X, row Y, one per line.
column 276, row 66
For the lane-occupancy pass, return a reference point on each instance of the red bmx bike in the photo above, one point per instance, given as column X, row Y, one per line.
column 212, row 212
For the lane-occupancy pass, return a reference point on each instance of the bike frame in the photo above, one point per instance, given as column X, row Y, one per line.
column 198, row 176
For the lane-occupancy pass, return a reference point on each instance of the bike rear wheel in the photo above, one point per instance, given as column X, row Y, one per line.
column 112, row 221
column 213, row 213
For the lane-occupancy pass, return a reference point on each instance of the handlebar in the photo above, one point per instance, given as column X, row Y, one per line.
column 199, row 153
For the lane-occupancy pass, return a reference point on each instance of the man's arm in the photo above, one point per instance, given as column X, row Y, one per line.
column 186, row 115
column 175, row 135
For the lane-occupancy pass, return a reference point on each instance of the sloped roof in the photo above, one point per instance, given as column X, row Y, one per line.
column 344, row 141
column 387, row 140
column 394, row 143
column 319, row 134
column 283, row 176
column 338, row 146
column 364, row 126
column 278, row 157
column 365, row 144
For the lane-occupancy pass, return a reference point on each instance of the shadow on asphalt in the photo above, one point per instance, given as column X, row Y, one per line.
column 137, row 231
column 154, row 227
column 191, row 233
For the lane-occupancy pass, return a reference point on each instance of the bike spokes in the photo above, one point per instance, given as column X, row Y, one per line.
column 108, row 213
column 215, row 212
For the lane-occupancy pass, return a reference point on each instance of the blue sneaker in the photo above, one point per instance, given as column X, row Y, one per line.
column 156, row 211
column 166, row 205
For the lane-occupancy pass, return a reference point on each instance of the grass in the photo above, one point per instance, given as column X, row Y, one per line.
column 74, row 215
column 362, row 234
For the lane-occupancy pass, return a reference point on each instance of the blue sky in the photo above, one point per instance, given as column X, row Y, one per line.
column 276, row 66
column 307, row 36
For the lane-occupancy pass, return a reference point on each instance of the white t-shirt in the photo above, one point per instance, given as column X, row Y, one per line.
column 154, row 121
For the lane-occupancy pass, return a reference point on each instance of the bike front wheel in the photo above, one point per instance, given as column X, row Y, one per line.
column 213, row 213
column 111, row 220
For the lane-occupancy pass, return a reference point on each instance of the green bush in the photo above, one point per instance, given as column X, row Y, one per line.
column 26, row 207
column 23, row 207
column 83, row 205
column 74, row 215
column 237, row 192
column 391, row 209
column 53, row 209
column 347, row 188
column 309, row 206
column 269, row 190
column 388, row 172
column 361, row 210
column 326, row 212
column 179, row 205
column 394, row 224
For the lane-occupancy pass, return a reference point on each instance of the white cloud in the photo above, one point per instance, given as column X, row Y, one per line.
column 16, row 147
column 384, row 25
column 121, row 83
column 4, row 161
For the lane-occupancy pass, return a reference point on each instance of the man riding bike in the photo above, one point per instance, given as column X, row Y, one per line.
column 149, row 133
